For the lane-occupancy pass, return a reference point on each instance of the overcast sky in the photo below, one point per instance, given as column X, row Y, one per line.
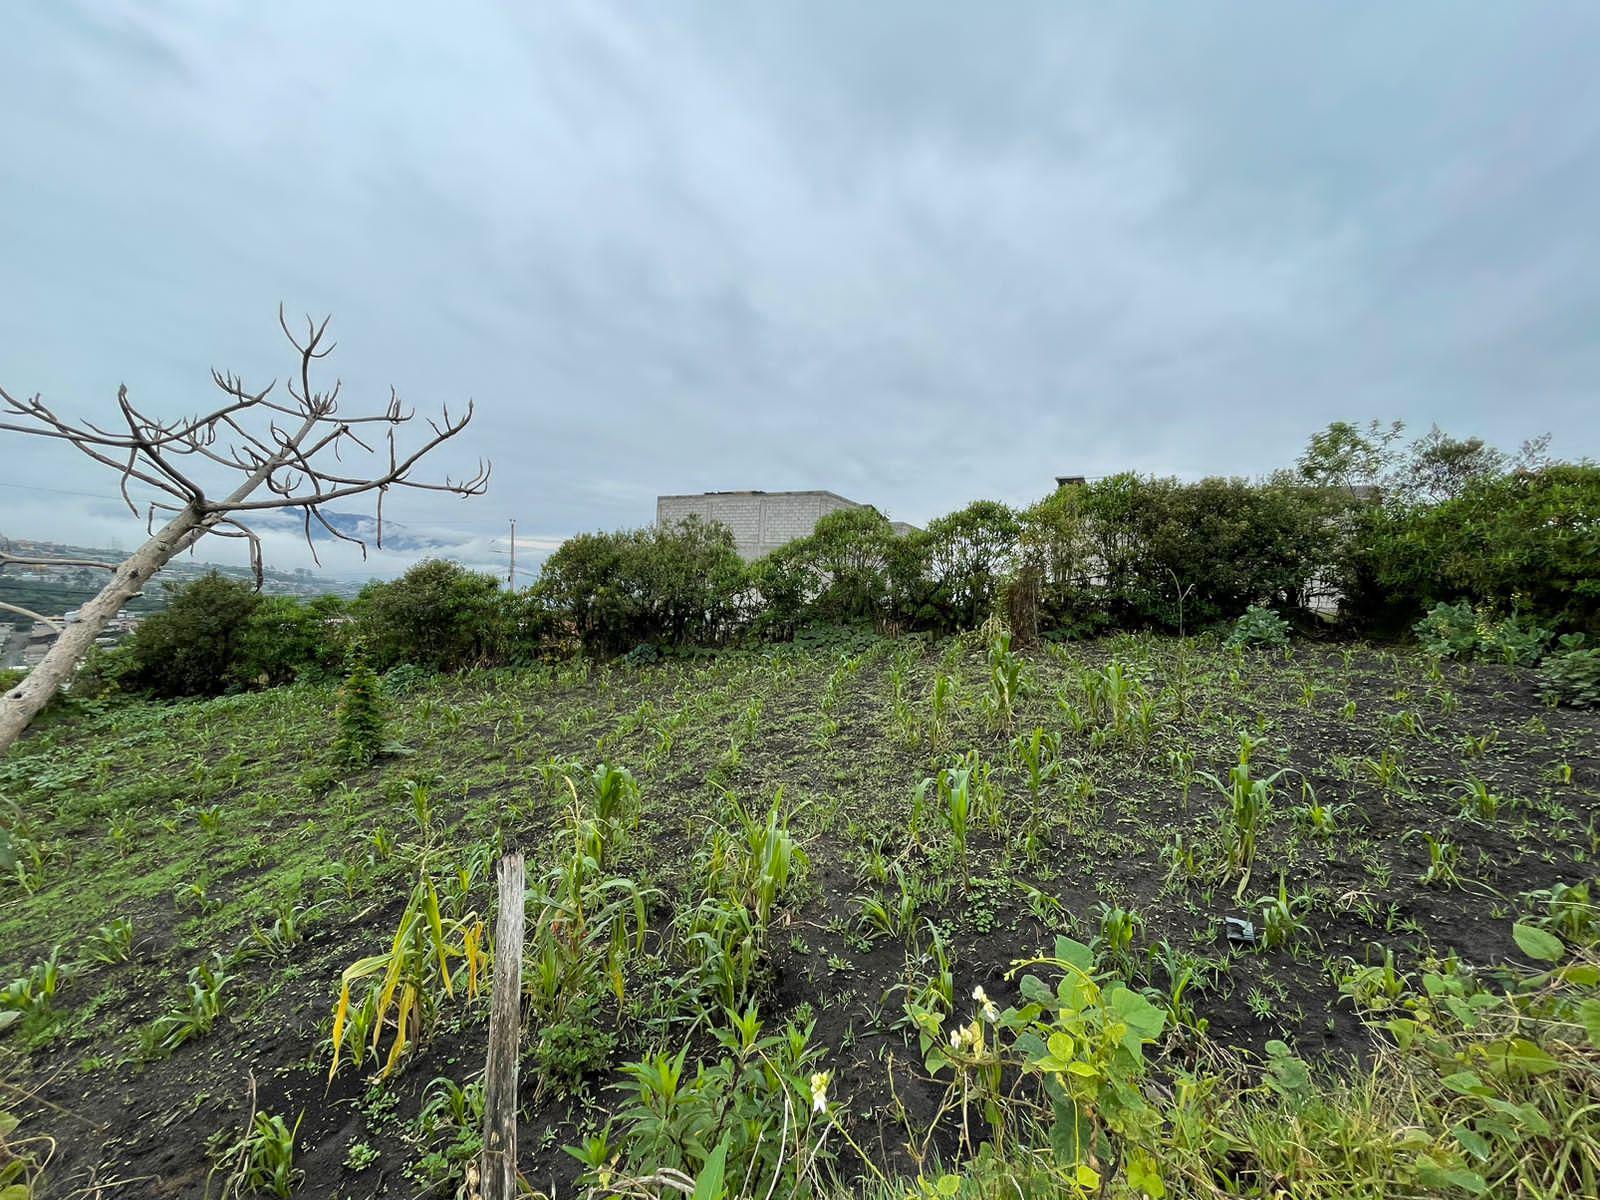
column 914, row 253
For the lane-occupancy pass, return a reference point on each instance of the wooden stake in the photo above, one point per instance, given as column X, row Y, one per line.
column 499, row 1168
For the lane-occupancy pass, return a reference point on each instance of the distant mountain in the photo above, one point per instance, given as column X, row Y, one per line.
column 358, row 525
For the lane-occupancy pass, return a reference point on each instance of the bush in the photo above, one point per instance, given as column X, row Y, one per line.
column 1528, row 540
column 438, row 615
column 643, row 655
column 404, row 679
column 1258, row 626
column 952, row 572
column 1573, row 678
column 1461, row 631
column 189, row 648
column 1223, row 544
column 360, row 717
column 284, row 640
column 665, row 584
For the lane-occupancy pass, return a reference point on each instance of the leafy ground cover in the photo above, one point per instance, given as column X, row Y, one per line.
column 1310, row 916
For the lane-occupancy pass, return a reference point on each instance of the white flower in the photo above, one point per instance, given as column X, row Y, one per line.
column 819, row 1090
column 991, row 1014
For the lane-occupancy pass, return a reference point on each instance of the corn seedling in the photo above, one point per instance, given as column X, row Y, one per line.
column 1443, row 858
column 112, row 943
column 1282, row 916
column 1477, row 801
column 1248, row 800
column 1113, row 945
column 204, row 1001
column 414, row 978
column 262, row 1160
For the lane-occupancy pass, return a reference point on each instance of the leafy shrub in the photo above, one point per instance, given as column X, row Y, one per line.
column 1573, row 678
column 404, row 679
column 1259, row 626
column 1449, row 630
column 360, row 717
column 672, row 585
column 284, row 640
column 1461, row 631
column 746, row 1112
column 190, row 647
column 642, row 655
column 573, row 1047
column 438, row 615
column 10, row 679
column 1529, row 538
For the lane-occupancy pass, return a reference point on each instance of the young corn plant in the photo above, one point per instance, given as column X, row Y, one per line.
column 1248, row 801
column 891, row 916
column 1444, row 856
column 262, row 1160
column 1283, row 916
column 1315, row 817
column 1184, row 974
column 589, row 922
column 1113, row 945
column 414, row 978
column 1477, row 801
column 1038, row 756
column 205, row 1000
column 941, row 705
column 954, row 785
column 112, row 943
column 1005, row 680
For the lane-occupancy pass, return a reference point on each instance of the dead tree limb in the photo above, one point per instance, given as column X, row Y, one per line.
column 28, row 612
column 255, row 452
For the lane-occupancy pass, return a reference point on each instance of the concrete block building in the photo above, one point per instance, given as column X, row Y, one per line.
column 760, row 521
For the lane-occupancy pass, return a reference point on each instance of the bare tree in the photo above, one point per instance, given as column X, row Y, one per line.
column 268, row 452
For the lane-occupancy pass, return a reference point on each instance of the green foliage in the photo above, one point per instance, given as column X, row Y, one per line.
column 217, row 635
column 190, row 648
column 438, row 615
column 1573, row 678
column 964, row 559
column 360, row 717
column 1259, row 626
column 1528, row 540
column 285, row 639
column 262, row 1159
column 574, row 1047
column 1461, row 631
column 756, row 1113
column 450, row 1125
column 669, row 584
column 22, row 1159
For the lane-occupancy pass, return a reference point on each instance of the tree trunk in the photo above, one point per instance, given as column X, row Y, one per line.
column 22, row 703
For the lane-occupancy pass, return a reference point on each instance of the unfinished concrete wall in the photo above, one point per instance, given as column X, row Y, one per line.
column 760, row 521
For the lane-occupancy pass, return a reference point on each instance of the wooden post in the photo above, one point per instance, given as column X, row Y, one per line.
column 499, row 1168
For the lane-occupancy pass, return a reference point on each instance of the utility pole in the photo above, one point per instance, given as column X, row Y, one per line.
column 511, row 575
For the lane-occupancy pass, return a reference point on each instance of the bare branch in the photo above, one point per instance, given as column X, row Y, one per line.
column 7, row 559
column 28, row 612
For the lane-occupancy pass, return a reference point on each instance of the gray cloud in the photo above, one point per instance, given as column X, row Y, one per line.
column 915, row 253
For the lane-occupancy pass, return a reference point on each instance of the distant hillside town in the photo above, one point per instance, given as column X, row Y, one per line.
column 56, row 592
